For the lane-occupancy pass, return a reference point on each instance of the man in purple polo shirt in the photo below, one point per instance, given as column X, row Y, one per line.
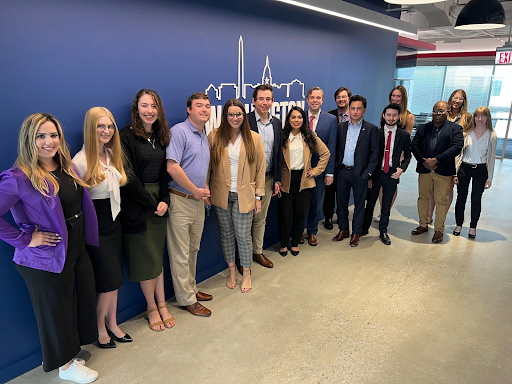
column 188, row 156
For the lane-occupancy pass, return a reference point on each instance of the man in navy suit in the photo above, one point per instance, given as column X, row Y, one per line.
column 435, row 146
column 270, row 129
column 357, row 153
column 324, row 125
column 341, row 98
column 393, row 142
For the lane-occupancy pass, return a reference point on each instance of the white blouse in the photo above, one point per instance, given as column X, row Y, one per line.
column 234, row 155
column 296, row 152
column 108, row 188
column 476, row 149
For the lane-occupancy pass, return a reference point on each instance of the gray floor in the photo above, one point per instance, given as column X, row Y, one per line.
column 412, row 312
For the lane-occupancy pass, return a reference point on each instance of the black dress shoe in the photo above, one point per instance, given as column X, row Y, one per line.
column 385, row 238
column 125, row 339
column 294, row 253
column 363, row 233
column 328, row 223
column 108, row 345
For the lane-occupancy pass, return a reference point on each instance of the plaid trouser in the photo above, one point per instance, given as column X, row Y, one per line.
column 235, row 229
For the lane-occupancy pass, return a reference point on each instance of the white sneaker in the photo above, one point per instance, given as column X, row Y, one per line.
column 78, row 373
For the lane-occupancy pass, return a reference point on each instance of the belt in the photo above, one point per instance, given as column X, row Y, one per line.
column 474, row 165
column 74, row 216
column 182, row 194
column 349, row 167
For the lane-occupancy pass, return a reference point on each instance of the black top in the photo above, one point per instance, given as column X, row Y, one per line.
column 135, row 200
column 70, row 193
column 151, row 160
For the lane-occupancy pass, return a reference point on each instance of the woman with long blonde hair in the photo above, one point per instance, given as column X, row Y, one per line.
column 100, row 164
column 398, row 95
column 55, row 219
column 476, row 162
column 237, row 183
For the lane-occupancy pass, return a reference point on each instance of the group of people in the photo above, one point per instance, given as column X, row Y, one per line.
column 147, row 185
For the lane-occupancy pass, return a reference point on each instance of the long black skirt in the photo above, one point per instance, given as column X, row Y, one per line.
column 106, row 259
column 64, row 303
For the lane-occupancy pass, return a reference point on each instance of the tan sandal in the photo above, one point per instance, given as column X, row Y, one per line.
column 231, row 284
column 246, row 288
column 151, row 325
column 169, row 319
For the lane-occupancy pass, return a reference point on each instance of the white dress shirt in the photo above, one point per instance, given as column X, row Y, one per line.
column 108, row 188
column 388, row 129
column 234, row 156
column 296, row 152
column 476, row 150
column 315, row 120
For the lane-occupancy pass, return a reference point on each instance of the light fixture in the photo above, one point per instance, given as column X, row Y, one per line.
column 481, row 14
column 412, row 2
column 355, row 13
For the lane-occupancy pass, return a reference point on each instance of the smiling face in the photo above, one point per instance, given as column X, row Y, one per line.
column 199, row 112
column 105, row 129
column 342, row 100
column 356, row 111
column 396, row 97
column 47, row 141
column 296, row 120
column 440, row 113
column 235, row 117
column 315, row 101
column 391, row 117
column 148, row 111
column 263, row 102
column 457, row 101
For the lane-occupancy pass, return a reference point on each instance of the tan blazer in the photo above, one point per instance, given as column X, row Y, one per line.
column 305, row 183
column 251, row 177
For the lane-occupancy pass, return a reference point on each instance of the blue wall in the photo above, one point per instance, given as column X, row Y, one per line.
column 66, row 56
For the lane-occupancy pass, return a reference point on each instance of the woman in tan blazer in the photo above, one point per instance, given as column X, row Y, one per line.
column 298, row 178
column 237, row 183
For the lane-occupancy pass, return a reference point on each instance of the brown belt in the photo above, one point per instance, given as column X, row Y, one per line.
column 182, row 194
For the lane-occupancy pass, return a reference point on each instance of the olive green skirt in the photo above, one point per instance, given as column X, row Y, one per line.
column 145, row 250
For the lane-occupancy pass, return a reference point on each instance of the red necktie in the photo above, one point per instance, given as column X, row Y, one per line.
column 386, row 155
column 311, row 118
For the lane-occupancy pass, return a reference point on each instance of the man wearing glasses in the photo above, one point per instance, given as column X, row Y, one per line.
column 435, row 146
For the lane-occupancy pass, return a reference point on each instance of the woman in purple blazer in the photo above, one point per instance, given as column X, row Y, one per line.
column 55, row 218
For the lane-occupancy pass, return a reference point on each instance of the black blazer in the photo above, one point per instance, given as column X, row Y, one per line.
column 402, row 144
column 135, row 200
column 366, row 153
column 449, row 144
column 278, row 148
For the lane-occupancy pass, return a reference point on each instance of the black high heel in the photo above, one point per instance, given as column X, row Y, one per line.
column 283, row 253
column 125, row 339
column 110, row 344
column 294, row 253
column 456, row 233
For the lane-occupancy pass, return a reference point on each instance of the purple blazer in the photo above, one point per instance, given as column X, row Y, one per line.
column 30, row 208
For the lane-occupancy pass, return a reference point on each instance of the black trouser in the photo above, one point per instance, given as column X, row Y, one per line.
column 346, row 180
column 329, row 200
column 479, row 174
column 291, row 210
column 388, row 185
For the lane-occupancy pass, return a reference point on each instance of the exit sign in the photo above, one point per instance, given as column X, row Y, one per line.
column 503, row 55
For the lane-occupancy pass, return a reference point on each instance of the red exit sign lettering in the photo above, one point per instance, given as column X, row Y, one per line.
column 503, row 57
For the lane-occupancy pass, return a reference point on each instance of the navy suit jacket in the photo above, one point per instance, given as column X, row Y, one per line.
column 278, row 143
column 449, row 145
column 402, row 144
column 326, row 131
column 366, row 154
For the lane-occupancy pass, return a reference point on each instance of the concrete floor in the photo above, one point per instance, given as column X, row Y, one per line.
column 412, row 312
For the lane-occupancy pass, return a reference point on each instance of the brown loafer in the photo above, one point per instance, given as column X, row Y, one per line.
column 419, row 230
column 260, row 258
column 312, row 240
column 438, row 237
column 354, row 240
column 197, row 309
column 302, row 240
column 200, row 296
column 340, row 236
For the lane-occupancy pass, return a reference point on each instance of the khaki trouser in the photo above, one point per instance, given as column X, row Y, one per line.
column 184, row 231
column 260, row 219
column 442, row 185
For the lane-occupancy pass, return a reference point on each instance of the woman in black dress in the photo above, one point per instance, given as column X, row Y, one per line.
column 145, row 199
column 100, row 164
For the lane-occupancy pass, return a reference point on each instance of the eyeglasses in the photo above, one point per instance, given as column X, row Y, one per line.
column 101, row 127
column 480, row 117
column 237, row 115
column 438, row 111
column 455, row 98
